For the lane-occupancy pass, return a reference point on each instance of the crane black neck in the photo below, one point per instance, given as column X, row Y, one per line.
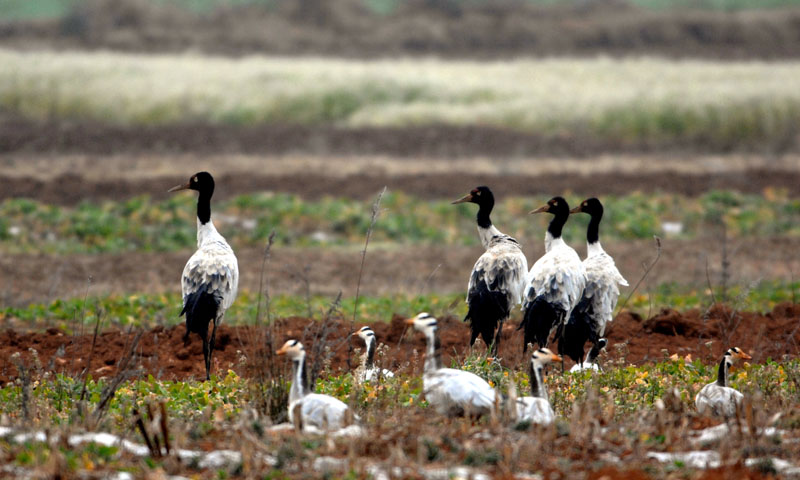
column 483, row 214
column 557, row 224
column 204, row 206
column 593, row 231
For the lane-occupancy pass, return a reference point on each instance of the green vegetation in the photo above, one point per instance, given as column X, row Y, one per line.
column 221, row 409
column 628, row 100
column 142, row 224
column 163, row 309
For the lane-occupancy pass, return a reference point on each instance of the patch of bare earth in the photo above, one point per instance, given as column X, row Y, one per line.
column 704, row 335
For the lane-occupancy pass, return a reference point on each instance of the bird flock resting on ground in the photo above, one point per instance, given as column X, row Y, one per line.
column 561, row 297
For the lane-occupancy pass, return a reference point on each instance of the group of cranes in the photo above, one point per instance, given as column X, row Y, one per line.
column 560, row 293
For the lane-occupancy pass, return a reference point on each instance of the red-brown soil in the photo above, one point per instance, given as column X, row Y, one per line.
column 703, row 335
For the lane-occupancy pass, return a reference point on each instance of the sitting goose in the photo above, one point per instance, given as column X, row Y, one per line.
column 450, row 391
column 536, row 408
column 589, row 363
column 316, row 411
column 368, row 372
column 718, row 398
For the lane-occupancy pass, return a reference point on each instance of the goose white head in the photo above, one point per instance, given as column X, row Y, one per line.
column 366, row 334
column 423, row 322
column 292, row 349
column 732, row 355
column 543, row 356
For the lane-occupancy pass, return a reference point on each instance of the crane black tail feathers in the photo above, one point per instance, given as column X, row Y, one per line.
column 579, row 328
column 539, row 319
column 486, row 309
column 200, row 308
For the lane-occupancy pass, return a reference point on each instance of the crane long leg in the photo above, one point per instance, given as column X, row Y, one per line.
column 211, row 350
column 206, row 354
column 496, row 343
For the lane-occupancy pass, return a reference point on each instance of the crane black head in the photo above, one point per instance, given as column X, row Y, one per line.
column 560, row 209
column 593, row 207
column 485, row 200
column 203, row 182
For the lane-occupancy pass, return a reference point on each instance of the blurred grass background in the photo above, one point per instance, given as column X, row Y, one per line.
column 626, row 100
column 39, row 9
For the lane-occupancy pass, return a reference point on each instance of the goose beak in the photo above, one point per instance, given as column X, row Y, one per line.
column 576, row 210
column 282, row 351
column 543, row 208
column 556, row 358
column 745, row 356
column 409, row 321
column 355, row 333
column 465, row 198
column 179, row 187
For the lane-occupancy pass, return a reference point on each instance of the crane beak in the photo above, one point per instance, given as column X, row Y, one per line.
column 543, row 208
column 409, row 321
column 465, row 198
column 179, row 187
column 576, row 210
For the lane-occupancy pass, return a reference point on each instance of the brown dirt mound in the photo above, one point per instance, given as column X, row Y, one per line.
column 162, row 353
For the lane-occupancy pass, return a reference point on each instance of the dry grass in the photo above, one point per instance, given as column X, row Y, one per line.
column 626, row 99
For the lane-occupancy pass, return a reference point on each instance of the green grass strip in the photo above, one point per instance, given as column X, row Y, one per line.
column 144, row 224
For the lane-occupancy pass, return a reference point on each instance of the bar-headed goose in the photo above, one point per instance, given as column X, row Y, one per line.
column 451, row 392
column 536, row 408
column 316, row 410
column 368, row 372
column 718, row 398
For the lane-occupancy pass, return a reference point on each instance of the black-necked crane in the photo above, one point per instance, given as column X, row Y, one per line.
column 211, row 276
column 315, row 410
column 718, row 398
column 537, row 408
column 368, row 372
column 595, row 310
column 498, row 277
column 590, row 362
column 450, row 391
column 555, row 282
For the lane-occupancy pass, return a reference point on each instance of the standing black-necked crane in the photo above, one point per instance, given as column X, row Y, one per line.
column 595, row 310
column 590, row 362
column 555, row 282
column 498, row 277
column 211, row 276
